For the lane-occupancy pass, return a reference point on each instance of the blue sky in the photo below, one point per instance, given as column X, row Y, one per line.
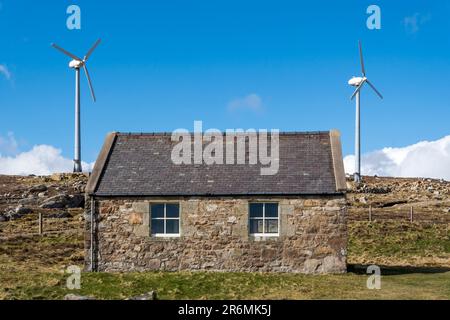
column 164, row 64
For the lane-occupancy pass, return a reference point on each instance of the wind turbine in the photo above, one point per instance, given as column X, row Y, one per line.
column 358, row 82
column 76, row 64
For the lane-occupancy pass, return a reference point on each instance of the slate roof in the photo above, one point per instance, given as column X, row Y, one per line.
column 140, row 165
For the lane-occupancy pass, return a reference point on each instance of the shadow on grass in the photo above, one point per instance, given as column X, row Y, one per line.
column 396, row 270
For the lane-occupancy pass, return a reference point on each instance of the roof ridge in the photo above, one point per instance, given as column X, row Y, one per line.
column 165, row 133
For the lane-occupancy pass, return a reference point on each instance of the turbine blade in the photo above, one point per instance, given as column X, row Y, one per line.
column 54, row 45
column 357, row 89
column 363, row 69
column 374, row 89
column 89, row 82
column 88, row 54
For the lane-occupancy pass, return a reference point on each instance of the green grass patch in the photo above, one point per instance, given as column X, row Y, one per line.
column 396, row 242
column 214, row 285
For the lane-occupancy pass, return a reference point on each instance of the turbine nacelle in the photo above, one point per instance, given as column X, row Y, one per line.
column 76, row 64
column 356, row 81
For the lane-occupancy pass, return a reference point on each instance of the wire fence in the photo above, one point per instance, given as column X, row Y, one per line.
column 406, row 214
column 41, row 224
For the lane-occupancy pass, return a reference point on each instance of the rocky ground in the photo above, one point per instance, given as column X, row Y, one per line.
column 56, row 196
column 389, row 192
column 395, row 198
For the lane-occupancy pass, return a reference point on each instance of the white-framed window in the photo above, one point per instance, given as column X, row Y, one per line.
column 165, row 219
column 264, row 219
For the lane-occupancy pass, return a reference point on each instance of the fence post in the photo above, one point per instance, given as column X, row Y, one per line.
column 411, row 214
column 40, row 223
column 370, row 213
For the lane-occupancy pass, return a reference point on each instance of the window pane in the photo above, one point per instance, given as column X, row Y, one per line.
column 157, row 210
column 157, row 226
column 256, row 226
column 256, row 210
column 173, row 226
column 271, row 210
column 271, row 226
column 172, row 210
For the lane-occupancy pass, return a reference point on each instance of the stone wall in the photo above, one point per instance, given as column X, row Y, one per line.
column 215, row 236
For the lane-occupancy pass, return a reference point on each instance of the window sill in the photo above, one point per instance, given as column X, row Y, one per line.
column 263, row 237
column 169, row 235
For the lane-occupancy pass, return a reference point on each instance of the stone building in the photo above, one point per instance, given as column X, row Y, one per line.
column 151, row 214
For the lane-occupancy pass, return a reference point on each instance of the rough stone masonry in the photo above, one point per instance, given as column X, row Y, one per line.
column 214, row 233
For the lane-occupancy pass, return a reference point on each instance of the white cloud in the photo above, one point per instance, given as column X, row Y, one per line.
column 40, row 160
column 430, row 159
column 251, row 102
column 413, row 23
column 5, row 71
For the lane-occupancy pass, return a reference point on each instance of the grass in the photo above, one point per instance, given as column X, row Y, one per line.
column 399, row 243
column 32, row 267
column 214, row 285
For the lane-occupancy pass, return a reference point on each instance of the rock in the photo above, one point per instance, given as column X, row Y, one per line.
column 21, row 210
column 146, row 296
column 38, row 188
column 42, row 194
column 57, row 176
column 76, row 201
column 311, row 203
column 71, row 296
column 311, row 266
column 392, row 203
column 232, row 219
column 12, row 215
column 56, row 202
column 372, row 189
column 136, row 218
column 332, row 264
column 64, row 201
column 27, row 201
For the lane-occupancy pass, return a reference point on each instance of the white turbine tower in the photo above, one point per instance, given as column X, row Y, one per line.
column 76, row 64
column 358, row 82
